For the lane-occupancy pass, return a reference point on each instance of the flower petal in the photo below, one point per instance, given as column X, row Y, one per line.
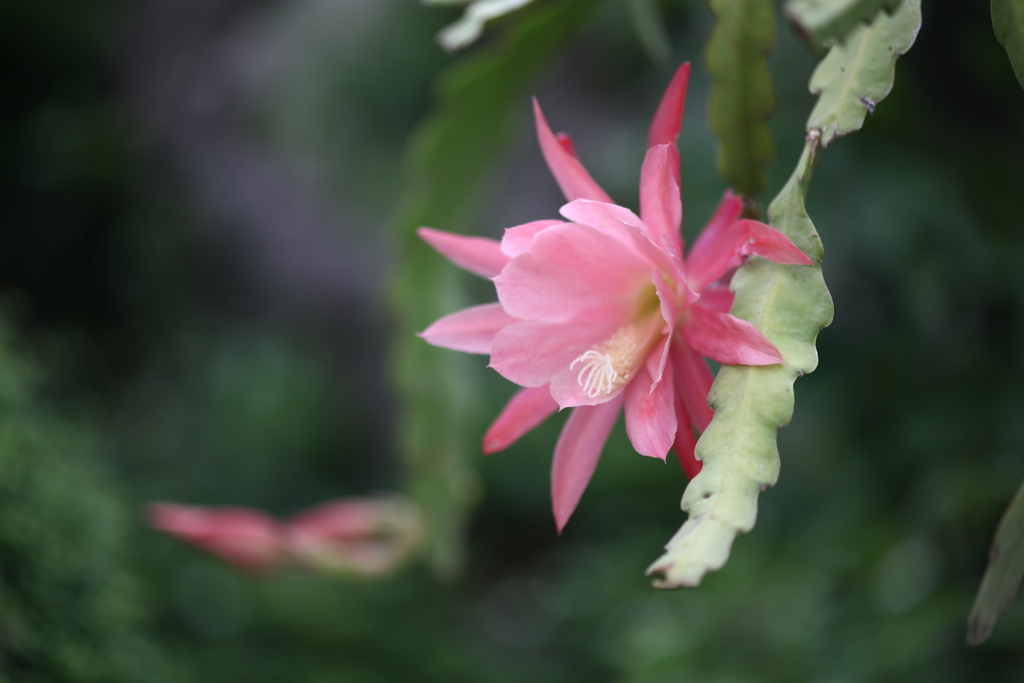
column 527, row 409
column 531, row 353
column 728, row 212
column 569, row 173
column 685, row 443
column 693, row 382
column 668, row 119
column 471, row 330
column 650, row 414
column 660, row 205
column 717, row 299
column 625, row 227
column 571, row 271
column 576, row 455
column 740, row 239
column 517, row 240
column 726, row 339
column 479, row 255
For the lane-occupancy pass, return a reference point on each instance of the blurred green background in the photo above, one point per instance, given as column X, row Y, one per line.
column 195, row 258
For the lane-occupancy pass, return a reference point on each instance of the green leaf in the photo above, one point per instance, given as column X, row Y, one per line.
column 821, row 22
column 742, row 98
column 1003, row 574
column 479, row 99
column 1008, row 24
column 789, row 304
column 858, row 74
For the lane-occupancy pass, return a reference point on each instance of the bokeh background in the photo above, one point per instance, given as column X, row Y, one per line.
column 201, row 211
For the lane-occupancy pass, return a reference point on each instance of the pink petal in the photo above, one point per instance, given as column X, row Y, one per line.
column 478, row 255
column 740, row 239
column 660, row 205
column 668, row 119
column 717, row 299
column 726, row 339
column 569, row 173
column 471, row 330
column 693, row 382
column 248, row 539
column 684, row 445
column 657, row 360
column 576, row 455
column 650, row 414
column 531, row 353
column 571, row 271
column 518, row 240
column 527, row 409
column 566, row 142
column 624, row 226
column 728, row 212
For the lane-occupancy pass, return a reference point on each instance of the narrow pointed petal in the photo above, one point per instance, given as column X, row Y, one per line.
column 573, row 270
column 531, row 353
column 518, row 240
column 479, row 255
column 245, row 538
column 693, row 382
column 569, row 173
column 650, row 414
column 717, row 299
column 728, row 340
column 660, row 205
column 471, row 330
column 685, row 444
column 576, row 455
column 728, row 212
column 668, row 119
column 527, row 409
column 742, row 238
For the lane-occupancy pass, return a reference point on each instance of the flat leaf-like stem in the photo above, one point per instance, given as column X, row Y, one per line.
column 1003, row 574
column 742, row 97
column 858, row 73
column 1008, row 24
column 822, row 22
column 789, row 304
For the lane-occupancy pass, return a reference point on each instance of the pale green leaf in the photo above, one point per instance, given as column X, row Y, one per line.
column 1008, row 24
column 742, row 98
column 476, row 105
column 822, row 22
column 1003, row 574
column 650, row 28
column 789, row 304
column 858, row 73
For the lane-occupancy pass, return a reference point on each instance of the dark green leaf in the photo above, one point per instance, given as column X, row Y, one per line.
column 1008, row 23
column 742, row 98
column 479, row 98
column 1002, row 576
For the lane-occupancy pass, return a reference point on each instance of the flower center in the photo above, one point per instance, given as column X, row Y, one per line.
column 607, row 367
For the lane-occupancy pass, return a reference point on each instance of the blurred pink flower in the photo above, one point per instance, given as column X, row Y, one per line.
column 363, row 537
column 602, row 312
column 245, row 538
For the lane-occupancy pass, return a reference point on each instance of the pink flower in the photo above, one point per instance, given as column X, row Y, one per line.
column 245, row 538
column 601, row 312
column 361, row 537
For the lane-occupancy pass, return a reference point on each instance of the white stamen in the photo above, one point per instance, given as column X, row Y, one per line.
column 598, row 374
column 611, row 364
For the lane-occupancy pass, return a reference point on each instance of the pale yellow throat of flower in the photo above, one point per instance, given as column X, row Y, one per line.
column 611, row 364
